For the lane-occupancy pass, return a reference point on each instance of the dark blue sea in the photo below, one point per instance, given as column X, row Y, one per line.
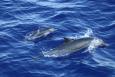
column 71, row 18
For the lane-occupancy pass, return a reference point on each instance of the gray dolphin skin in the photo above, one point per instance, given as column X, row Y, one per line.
column 70, row 46
column 39, row 33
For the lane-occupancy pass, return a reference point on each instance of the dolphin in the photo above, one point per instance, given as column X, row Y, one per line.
column 39, row 33
column 70, row 46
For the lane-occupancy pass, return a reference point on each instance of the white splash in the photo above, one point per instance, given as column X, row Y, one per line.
column 94, row 44
column 88, row 33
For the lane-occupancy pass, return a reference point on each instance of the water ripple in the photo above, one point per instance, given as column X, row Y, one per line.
column 72, row 18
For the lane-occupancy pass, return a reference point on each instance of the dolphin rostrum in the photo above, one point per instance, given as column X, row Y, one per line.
column 70, row 46
column 39, row 33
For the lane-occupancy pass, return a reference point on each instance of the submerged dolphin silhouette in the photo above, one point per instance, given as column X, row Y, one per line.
column 69, row 46
column 39, row 33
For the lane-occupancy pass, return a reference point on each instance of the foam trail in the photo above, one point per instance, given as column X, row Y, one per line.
column 45, row 53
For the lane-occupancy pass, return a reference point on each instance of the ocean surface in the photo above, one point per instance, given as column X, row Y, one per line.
column 71, row 18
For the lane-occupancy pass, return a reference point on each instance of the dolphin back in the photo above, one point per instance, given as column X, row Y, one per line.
column 69, row 47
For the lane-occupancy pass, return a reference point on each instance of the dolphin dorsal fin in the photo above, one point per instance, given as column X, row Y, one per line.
column 67, row 39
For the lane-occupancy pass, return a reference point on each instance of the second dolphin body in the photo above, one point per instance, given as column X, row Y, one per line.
column 39, row 33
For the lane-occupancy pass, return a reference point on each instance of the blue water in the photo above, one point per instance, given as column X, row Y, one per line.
column 72, row 18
